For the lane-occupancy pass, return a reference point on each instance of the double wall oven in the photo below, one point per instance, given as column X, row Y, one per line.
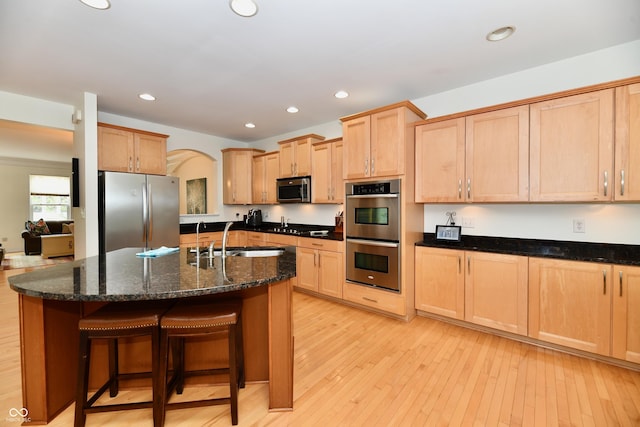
column 372, row 222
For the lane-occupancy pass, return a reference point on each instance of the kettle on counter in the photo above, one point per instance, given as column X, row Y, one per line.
column 254, row 218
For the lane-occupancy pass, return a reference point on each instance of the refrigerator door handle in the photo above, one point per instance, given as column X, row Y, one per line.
column 150, row 214
column 145, row 212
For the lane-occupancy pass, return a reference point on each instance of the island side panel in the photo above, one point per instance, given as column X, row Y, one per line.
column 48, row 349
column 280, row 346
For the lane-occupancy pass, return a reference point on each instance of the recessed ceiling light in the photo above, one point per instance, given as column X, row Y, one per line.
column 147, row 97
column 500, row 33
column 249, row 125
column 341, row 94
column 292, row 109
column 97, row 4
column 245, row 8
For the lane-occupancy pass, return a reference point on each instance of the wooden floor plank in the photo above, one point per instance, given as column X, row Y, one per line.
column 357, row 368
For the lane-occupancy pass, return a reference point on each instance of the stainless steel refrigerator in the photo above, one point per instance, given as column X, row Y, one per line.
column 137, row 210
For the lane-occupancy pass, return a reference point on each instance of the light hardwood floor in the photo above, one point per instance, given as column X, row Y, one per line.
column 360, row 369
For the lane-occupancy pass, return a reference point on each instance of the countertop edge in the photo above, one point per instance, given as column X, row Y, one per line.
column 609, row 253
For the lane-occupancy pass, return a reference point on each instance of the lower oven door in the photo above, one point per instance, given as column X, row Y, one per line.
column 374, row 263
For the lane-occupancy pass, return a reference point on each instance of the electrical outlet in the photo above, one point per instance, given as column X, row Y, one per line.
column 579, row 225
column 5, row 239
column 468, row 222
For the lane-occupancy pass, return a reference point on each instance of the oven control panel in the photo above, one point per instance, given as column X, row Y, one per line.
column 376, row 187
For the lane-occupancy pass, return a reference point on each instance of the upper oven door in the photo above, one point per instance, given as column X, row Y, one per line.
column 373, row 216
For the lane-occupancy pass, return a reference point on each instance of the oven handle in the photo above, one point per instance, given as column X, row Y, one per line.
column 373, row 196
column 374, row 243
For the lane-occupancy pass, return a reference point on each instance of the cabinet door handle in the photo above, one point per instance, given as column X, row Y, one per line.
column 130, row 164
column 622, row 182
column 468, row 265
column 604, row 282
column 370, row 299
column 468, row 188
column 621, row 283
column 459, row 189
column 138, row 164
column 366, row 166
column 373, row 166
column 459, row 265
column 606, row 182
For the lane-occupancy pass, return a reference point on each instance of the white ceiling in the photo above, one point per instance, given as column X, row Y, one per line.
column 212, row 71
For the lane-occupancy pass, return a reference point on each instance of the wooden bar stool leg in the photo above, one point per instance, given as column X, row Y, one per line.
column 83, row 380
column 240, row 352
column 157, row 379
column 113, row 367
column 233, row 374
column 163, row 366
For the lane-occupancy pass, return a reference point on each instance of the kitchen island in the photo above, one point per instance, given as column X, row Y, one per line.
column 52, row 300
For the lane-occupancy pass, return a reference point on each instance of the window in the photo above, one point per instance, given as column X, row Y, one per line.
column 49, row 197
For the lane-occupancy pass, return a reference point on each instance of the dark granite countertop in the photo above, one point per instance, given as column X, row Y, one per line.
column 301, row 230
column 121, row 276
column 577, row 251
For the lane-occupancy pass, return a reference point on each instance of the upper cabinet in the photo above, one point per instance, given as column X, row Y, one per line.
column 266, row 168
column 237, row 174
column 497, row 156
column 327, row 185
column 627, row 152
column 375, row 142
column 479, row 158
column 295, row 155
column 122, row 149
column 571, row 144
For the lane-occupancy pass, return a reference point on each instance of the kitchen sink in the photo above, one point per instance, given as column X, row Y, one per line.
column 250, row 251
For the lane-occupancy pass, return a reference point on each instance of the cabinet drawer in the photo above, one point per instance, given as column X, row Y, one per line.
column 281, row 239
column 325, row 245
column 255, row 238
column 374, row 298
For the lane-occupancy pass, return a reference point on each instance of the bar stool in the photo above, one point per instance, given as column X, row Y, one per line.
column 190, row 320
column 110, row 322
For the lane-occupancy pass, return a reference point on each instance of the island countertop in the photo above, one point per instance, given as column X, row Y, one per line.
column 122, row 276
column 52, row 300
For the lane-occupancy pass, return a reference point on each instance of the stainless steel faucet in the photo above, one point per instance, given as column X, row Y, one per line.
column 197, row 250
column 224, row 238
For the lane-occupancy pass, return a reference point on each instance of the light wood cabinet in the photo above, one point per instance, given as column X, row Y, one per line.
column 571, row 148
column 327, row 185
column 570, row 303
column 626, row 315
column 377, row 299
column 482, row 288
column 479, row 158
column 237, row 175
column 375, row 142
column 497, row 156
column 295, row 155
column 440, row 281
column 627, row 144
column 122, row 149
column 320, row 266
column 266, row 169
column 496, row 291
column 440, row 151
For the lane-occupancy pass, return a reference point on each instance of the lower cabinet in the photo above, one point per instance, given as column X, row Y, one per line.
column 440, row 281
column 626, row 313
column 483, row 288
column 320, row 266
column 585, row 305
column 495, row 291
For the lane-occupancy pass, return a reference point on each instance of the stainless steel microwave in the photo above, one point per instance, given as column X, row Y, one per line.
column 294, row 190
